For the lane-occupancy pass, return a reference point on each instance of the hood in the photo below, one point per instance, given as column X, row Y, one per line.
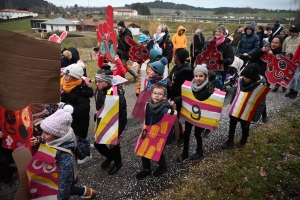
column 180, row 27
column 153, row 54
column 250, row 26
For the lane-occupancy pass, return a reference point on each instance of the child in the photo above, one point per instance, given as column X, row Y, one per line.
column 156, row 73
column 57, row 132
column 103, row 80
column 155, row 55
column 76, row 93
column 143, row 40
column 157, row 106
column 249, row 82
column 202, row 88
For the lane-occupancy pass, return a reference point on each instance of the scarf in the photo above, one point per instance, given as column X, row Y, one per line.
column 69, row 86
column 155, row 108
column 58, row 142
column 196, row 87
column 219, row 42
column 158, row 37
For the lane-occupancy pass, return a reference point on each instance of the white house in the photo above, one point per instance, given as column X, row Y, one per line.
column 12, row 14
column 60, row 24
column 125, row 12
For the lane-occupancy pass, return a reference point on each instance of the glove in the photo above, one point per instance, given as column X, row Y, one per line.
column 69, row 108
column 222, row 61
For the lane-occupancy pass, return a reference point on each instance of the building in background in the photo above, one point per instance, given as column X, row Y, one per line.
column 13, row 14
column 125, row 12
column 60, row 24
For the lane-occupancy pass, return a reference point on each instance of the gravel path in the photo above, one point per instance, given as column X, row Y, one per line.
column 124, row 185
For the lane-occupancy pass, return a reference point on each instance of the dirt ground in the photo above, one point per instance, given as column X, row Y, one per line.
column 124, row 185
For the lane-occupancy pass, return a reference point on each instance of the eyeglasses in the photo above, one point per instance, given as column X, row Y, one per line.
column 158, row 94
column 98, row 82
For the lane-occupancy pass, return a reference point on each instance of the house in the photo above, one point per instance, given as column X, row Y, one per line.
column 13, row 14
column 60, row 24
column 125, row 12
column 88, row 25
column 37, row 26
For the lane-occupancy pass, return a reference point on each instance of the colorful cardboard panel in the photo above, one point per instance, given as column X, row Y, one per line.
column 139, row 107
column 205, row 114
column 137, row 52
column 144, row 76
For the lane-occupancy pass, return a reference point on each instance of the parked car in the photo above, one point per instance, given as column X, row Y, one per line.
column 231, row 17
column 225, row 17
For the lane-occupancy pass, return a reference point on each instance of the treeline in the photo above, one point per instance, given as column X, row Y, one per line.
column 38, row 6
column 142, row 9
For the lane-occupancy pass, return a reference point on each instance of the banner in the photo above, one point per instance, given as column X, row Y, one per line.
column 139, row 107
column 205, row 114
column 245, row 104
column 210, row 57
column 137, row 53
column 107, row 36
column 118, row 80
column 107, row 121
column 17, row 127
column 43, row 174
column 152, row 139
column 279, row 70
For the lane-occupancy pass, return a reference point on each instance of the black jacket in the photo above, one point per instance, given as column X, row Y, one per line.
column 79, row 98
column 100, row 96
column 227, row 53
column 205, row 93
column 166, row 45
column 122, row 45
column 275, row 32
column 197, row 46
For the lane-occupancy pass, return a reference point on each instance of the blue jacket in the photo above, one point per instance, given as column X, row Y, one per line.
column 151, row 118
column 152, row 82
column 249, row 43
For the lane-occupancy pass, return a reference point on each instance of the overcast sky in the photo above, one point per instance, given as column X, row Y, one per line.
column 269, row 4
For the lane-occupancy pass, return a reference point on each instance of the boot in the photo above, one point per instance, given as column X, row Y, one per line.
column 160, row 171
column 289, row 93
column 89, row 193
column 106, row 163
column 242, row 142
column 143, row 174
column 197, row 155
column 184, row 155
column 294, row 95
column 115, row 168
column 228, row 145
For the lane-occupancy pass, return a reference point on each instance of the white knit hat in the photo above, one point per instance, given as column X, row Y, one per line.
column 74, row 70
column 201, row 68
column 58, row 124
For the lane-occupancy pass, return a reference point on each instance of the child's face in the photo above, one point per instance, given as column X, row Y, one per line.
column 48, row 137
column 199, row 77
column 101, row 84
column 152, row 73
column 158, row 95
column 288, row 57
column 69, row 78
column 247, row 80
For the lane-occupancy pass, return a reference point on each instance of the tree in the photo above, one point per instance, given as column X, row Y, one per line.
column 177, row 12
column 76, row 6
column 142, row 9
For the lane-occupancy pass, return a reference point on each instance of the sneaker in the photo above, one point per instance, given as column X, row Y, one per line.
column 160, row 171
column 206, row 133
column 294, row 95
column 85, row 160
column 241, row 143
column 197, row 155
column 115, row 168
column 143, row 174
column 289, row 93
column 91, row 146
column 89, row 193
column 228, row 145
column 264, row 119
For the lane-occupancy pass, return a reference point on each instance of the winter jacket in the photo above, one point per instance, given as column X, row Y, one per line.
column 75, row 55
column 166, row 45
column 275, row 31
column 152, row 82
column 296, row 57
column 261, row 36
column 120, row 70
column 79, row 99
column 290, row 44
column 100, row 96
column 151, row 118
column 178, row 76
column 236, row 38
column 179, row 41
column 250, row 88
column 249, row 43
column 205, row 93
column 122, row 45
column 198, row 45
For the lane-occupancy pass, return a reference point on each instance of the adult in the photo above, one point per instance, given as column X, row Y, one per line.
column 123, row 46
column 275, row 48
column 268, row 33
column 291, row 43
column 275, row 30
column 236, row 37
column 197, row 45
column 223, row 46
column 179, row 38
column 261, row 34
column 162, row 42
column 284, row 33
column 249, row 43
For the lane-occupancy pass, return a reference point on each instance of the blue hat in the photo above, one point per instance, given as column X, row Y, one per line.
column 159, row 66
column 142, row 38
column 153, row 54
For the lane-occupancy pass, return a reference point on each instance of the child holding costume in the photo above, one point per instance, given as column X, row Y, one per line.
column 103, row 80
column 202, row 89
column 157, row 106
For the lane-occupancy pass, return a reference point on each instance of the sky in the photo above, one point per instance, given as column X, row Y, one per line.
column 268, row 4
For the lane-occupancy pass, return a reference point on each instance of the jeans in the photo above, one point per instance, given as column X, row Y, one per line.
column 295, row 85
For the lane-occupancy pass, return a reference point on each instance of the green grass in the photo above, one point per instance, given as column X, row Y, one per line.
column 268, row 167
column 16, row 26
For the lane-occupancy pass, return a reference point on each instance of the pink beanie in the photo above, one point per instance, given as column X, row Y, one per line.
column 58, row 124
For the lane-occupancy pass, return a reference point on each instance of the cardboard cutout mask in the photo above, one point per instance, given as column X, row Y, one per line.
column 137, row 52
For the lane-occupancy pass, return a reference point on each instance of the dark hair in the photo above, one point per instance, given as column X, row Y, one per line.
column 261, row 28
column 160, row 86
column 105, row 69
column 268, row 29
column 281, row 39
column 240, row 26
column 211, row 75
column 182, row 54
column 291, row 55
column 146, row 32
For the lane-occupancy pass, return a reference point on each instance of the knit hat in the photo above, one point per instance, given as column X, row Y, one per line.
column 143, row 38
column 74, row 70
column 277, row 23
column 251, row 71
column 58, row 124
column 153, row 54
column 294, row 30
column 159, row 66
column 121, row 23
column 201, row 68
